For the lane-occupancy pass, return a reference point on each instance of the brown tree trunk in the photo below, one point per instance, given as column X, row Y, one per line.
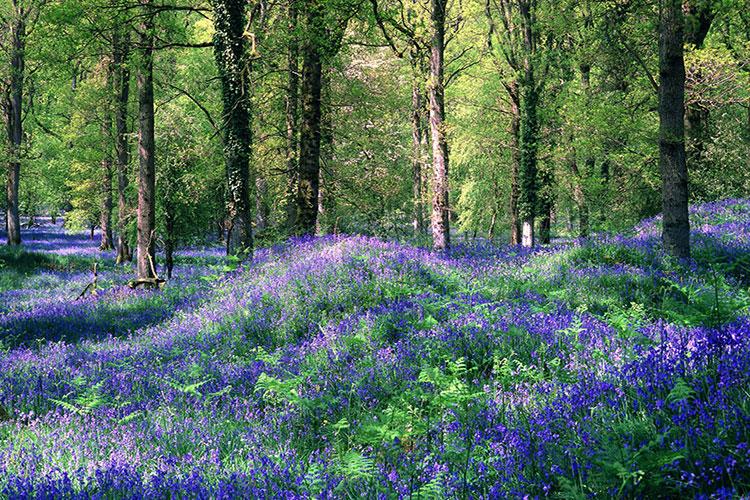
column 120, row 53
column 309, row 161
column 529, row 130
column 417, row 127
column 105, row 216
column 262, row 210
column 699, row 14
column 169, row 242
column 292, row 97
column 146, row 219
column 234, row 67
column 14, row 122
column 515, row 156
column 440, row 209
column 676, row 228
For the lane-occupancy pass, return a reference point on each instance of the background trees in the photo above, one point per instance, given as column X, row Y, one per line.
column 309, row 117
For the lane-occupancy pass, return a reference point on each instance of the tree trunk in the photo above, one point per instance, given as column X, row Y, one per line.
column 146, row 219
column 579, row 197
column 515, row 155
column 545, row 224
column 292, row 143
column 169, row 242
column 527, row 199
column 676, row 228
column 529, row 130
column 120, row 53
column 262, row 210
column 14, row 122
column 105, row 216
column 700, row 15
column 309, row 161
column 417, row 159
column 234, row 68
column 440, row 209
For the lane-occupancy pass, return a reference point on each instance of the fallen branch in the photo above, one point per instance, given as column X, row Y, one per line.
column 147, row 282
column 156, row 281
column 92, row 286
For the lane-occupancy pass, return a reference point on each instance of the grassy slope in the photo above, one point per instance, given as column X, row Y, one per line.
column 355, row 366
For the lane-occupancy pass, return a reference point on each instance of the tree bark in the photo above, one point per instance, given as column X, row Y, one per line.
column 262, row 210
column 309, row 161
column 234, row 67
column 440, row 209
column 146, row 218
column 515, row 158
column 527, row 199
column 676, row 227
column 578, row 195
column 169, row 241
column 529, row 132
column 14, row 122
column 292, row 97
column 699, row 16
column 120, row 54
column 417, row 127
column 105, row 216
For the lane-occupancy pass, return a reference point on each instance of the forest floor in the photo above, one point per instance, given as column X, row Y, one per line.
column 356, row 367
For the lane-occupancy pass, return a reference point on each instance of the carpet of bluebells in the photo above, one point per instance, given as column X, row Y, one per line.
column 349, row 366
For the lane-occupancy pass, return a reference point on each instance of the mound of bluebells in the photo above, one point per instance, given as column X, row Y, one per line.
column 352, row 366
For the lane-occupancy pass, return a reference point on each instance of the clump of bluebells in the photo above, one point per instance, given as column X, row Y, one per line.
column 352, row 366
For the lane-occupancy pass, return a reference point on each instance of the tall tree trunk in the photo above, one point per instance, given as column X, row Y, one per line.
column 146, row 219
column 309, row 161
column 676, row 229
column 578, row 195
column 169, row 242
column 417, row 158
column 292, row 97
column 262, row 210
column 515, row 158
column 700, row 15
column 105, row 216
column 120, row 53
column 529, row 133
column 14, row 122
column 527, row 199
column 440, row 209
column 234, row 67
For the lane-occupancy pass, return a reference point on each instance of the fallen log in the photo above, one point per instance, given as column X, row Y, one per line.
column 147, row 283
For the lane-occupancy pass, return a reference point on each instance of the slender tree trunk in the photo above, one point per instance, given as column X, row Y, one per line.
column 292, row 97
column 262, row 210
column 14, row 121
column 120, row 53
column 309, row 161
column 105, row 216
column 515, row 155
column 234, row 67
column 699, row 15
column 493, row 221
column 579, row 193
column 528, row 169
column 676, row 229
column 545, row 224
column 417, row 159
column 578, row 196
column 146, row 219
column 440, row 208
column 169, row 242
